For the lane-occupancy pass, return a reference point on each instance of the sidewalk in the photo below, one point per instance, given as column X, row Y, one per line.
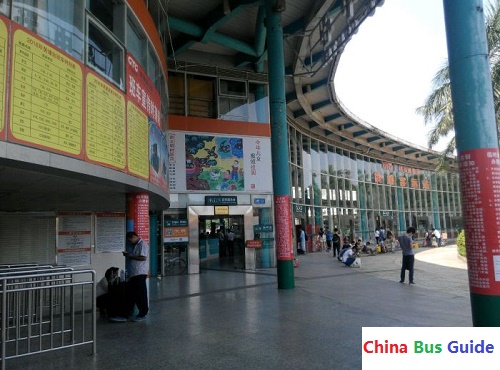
column 240, row 320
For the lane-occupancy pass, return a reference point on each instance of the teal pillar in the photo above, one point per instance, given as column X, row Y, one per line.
column 401, row 215
column 362, row 214
column 478, row 154
column 153, row 245
column 279, row 145
column 435, row 203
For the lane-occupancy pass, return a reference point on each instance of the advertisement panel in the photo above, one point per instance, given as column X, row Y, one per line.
column 220, row 163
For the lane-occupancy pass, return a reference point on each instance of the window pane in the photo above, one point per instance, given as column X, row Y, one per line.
column 60, row 22
column 105, row 55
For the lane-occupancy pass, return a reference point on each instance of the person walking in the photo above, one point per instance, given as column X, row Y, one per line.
column 302, row 241
column 406, row 243
column 136, row 289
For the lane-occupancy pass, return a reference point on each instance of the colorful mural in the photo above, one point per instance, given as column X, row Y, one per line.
column 214, row 163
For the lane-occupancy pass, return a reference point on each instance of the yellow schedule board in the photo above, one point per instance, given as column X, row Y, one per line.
column 3, row 70
column 137, row 135
column 46, row 96
column 105, row 135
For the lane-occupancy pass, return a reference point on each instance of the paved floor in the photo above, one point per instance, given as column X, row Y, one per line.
column 237, row 320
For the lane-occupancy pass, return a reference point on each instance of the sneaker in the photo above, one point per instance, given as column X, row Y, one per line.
column 411, row 282
column 402, row 281
column 117, row 319
column 139, row 318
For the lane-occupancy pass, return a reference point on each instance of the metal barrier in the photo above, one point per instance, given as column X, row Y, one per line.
column 45, row 308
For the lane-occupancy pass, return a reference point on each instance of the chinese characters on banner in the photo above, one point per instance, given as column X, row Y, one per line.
column 141, row 90
column 283, row 234
column 138, row 215
column 480, row 184
column 394, row 178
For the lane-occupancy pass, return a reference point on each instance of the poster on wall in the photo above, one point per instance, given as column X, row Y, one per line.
column 220, row 163
column 158, row 157
column 137, row 141
column 4, row 37
column 105, row 123
column 73, row 238
column 46, row 95
column 109, row 232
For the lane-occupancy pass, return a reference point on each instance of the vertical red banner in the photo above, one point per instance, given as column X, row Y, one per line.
column 138, row 214
column 283, row 223
column 480, row 185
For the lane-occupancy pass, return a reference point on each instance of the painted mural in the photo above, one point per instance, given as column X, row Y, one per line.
column 214, row 163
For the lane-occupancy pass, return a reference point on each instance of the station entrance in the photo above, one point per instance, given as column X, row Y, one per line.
column 208, row 249
column 221, row 243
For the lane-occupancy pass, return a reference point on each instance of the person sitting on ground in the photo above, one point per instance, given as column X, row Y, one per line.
column 383, row 247
column 370, row 249
column 104, row 300
column 349, row 256
column 345, row 247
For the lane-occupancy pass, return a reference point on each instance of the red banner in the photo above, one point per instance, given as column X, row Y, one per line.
column 480, row 185
column 283, row 223
column 142, row 91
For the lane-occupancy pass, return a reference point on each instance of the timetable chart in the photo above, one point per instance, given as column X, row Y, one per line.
column 137, row 134
column 46, row 96
column 3, row 66
column 105, row 135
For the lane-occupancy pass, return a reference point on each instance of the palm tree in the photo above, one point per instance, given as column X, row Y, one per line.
column 438, row 110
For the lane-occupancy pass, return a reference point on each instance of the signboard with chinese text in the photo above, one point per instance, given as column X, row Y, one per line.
column 175, row 231
column 74, row 238
column 46, row 95
column 110, row 232
column 480, row 184
column 256, row 244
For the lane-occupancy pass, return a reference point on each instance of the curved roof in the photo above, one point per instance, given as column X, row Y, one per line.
column 232, row 34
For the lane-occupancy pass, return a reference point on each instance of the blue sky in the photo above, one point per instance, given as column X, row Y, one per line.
column 387, row 68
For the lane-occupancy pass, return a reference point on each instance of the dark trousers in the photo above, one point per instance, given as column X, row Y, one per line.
column 137, row 294
column 336, row 250
column 407, row 264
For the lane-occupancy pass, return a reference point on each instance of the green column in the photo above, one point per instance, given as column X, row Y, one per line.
column 478, row 154
column 401, row 214
column 279, row 145
column 435, row 203
column 153, row 245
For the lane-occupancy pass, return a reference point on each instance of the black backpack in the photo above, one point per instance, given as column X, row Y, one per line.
column 305, row 236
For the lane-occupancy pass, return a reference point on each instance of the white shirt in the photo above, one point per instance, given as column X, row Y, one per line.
column 437, row 234
column 140, row 267
column 346, row 255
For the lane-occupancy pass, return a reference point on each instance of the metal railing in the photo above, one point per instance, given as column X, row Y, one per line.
column 45, row 308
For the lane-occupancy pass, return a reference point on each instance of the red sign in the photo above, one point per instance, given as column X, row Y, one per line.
column 142, row 91
column 283, row 223
column 138, row 215
column 480, row 184
column 257, row 244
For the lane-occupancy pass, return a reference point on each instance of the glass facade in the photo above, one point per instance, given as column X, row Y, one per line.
column 338, row 188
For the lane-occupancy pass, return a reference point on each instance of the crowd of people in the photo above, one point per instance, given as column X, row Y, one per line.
column 348, row 250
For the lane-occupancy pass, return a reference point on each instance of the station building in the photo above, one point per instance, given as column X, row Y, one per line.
column 154, row 116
